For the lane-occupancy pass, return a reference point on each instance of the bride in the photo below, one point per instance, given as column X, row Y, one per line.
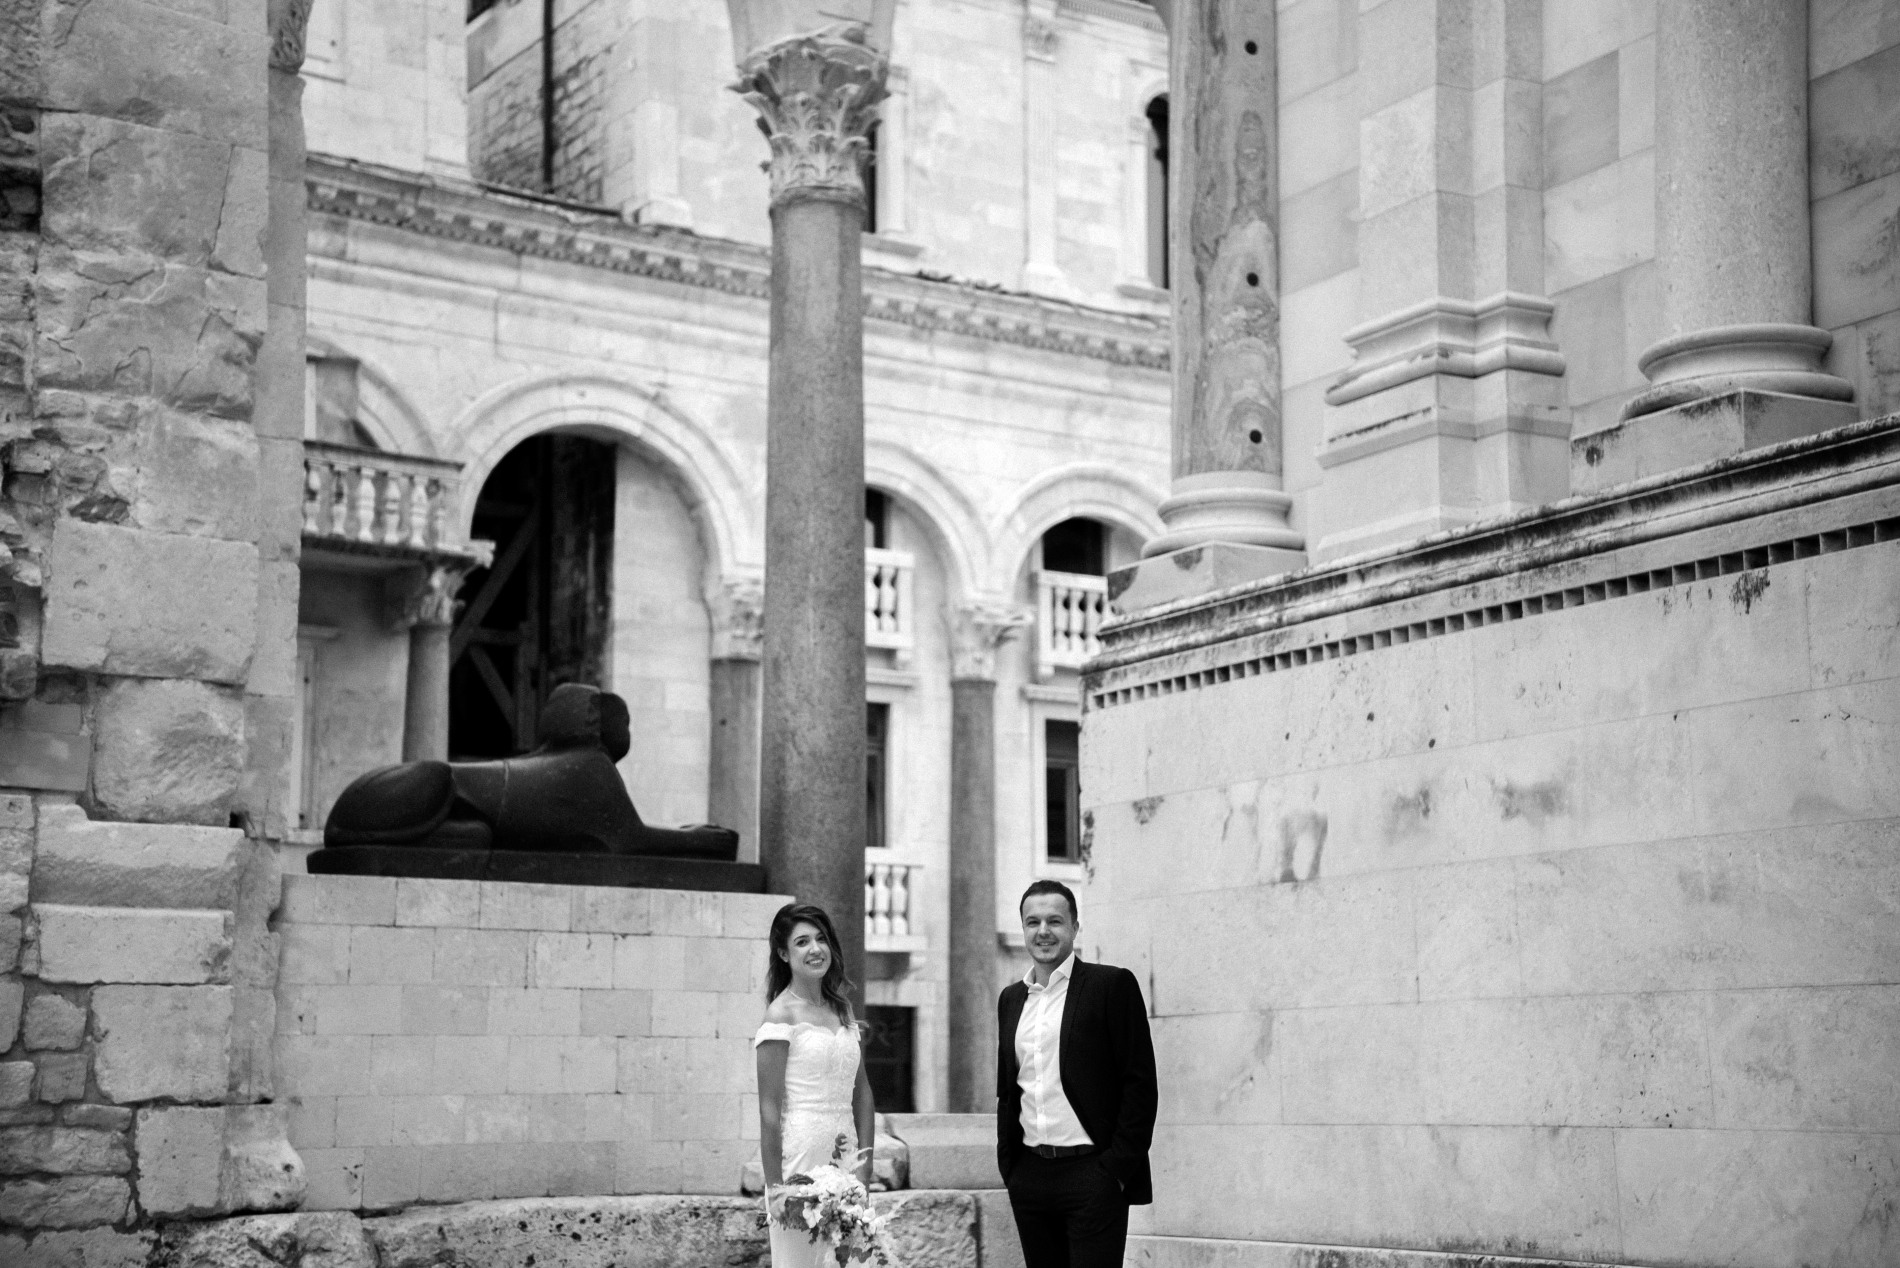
column 812, row 1085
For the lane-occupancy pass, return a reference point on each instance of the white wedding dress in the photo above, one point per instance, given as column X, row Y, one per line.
column 821, row 1074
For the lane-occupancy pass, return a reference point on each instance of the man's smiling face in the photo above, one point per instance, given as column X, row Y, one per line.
column 1049, row 928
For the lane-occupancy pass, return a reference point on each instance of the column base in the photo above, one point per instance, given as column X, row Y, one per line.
column 1244, row 508
column 1715, row 426
column 1197, row 570
column 1437, row 453
column 1772, row 357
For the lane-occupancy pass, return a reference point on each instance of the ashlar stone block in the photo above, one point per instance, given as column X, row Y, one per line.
column 11, row 993
column 64, row 1201
column 106, row 864
column 328, row 1239
column 60, row 1150
column 160, row 605
column 127, row 944
column 162, row 1041
column 168, row 749
column 62, row 1077
column 54, row 1023
column 81, row 1248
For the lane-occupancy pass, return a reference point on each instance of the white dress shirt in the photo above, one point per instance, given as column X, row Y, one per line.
column 1048, row 1118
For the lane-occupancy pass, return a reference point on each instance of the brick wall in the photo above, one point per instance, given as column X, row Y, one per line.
column 453, row 1040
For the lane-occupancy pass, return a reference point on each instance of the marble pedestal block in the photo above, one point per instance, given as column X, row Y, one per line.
column 1697, row 432
column 1196, row 570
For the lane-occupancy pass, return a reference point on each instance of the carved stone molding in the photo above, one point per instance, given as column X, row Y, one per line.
column 738, row 619
column 289, row 20
column 817, row 98
column 1449, row 336
column 977, row 630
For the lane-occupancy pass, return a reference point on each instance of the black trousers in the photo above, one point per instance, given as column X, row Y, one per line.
column 1070, row 1212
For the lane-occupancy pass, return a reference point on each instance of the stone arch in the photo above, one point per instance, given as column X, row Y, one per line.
column 609, row 409
column 1081, row 488
column 384, row 411
column 948, row 516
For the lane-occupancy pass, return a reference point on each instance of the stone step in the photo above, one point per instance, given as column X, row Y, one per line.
column 949, row 1151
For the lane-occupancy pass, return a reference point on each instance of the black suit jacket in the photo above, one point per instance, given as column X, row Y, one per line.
column 1108, row 1072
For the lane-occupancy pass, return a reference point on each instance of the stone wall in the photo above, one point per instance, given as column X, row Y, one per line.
column 452, row 1040
column 1528, row 891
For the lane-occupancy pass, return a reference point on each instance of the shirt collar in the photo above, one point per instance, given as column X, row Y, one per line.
column 1062, row 971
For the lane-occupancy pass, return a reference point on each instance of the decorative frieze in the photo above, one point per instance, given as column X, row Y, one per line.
column 817, row 100
column 466, row 213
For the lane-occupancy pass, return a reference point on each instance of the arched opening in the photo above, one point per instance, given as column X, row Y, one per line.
column 1157, row 113
column 540, row 615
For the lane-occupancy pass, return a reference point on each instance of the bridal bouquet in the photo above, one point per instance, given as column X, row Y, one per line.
column 830, row 1204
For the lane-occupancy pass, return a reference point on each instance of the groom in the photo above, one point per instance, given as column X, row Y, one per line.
column 1075, row 1094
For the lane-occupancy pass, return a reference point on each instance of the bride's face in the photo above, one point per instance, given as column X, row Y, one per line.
column 807, row 952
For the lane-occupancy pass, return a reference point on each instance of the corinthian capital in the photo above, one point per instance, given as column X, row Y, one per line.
column 423, row 596
column 288, row 21
column 976, row 631
column 817, row 98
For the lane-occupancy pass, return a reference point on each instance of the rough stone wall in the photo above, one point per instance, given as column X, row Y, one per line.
column 1565, row 931
column 150, row 573
column 453, row 1040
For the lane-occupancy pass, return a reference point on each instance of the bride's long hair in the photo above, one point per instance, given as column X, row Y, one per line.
column 778, row 969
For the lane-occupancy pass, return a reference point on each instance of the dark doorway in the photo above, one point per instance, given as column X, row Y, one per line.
column 890, row 1039
column 1078, row 546
column 539, row 617
column 1062, row 790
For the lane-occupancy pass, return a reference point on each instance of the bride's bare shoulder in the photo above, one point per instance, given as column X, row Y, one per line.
column 780, row 1011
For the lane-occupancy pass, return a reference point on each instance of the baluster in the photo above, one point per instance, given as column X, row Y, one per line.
column 314, row 471
column 1069, row 622
column 365, row 503
column 389, row 519
column 870, row 900
column 438, row 512
column 870, row 598
column 893, row 609
column 881, row 899
column 900, row 901
column 1092, row 622
column 418, row 511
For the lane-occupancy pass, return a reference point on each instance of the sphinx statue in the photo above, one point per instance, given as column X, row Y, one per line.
column 564, row 796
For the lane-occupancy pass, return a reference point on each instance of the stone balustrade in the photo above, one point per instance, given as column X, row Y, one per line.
column 371, row 499
column 890, row 898
column 889, row 616
column 1070, row 609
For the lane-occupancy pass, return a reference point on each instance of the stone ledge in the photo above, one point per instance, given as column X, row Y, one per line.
column 1211, row 1252
column 108, row 864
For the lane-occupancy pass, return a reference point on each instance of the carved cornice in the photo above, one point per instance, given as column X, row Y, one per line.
column 977, row 631
column 289, row 20
column 817, row 98
column 434, row 207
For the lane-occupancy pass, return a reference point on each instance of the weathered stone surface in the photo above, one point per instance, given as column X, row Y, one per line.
column 112, row 185
column 16, row 1083
column 170, row 750
column 62, row 1151
column 66, row 1202
column 949, row 1151
column 107, row 864
column 932, row 1227
column 997, row 1242
column 195, row 331
column 11, row 992
column 132, row 944
column 63, row 1076
column 112, row 1118
column 163, row 605
column 54, row 1023
column 330, row 1239
column 636, row 1232
column 90, row 1248
column 162, row 1041
column 189, row 474
column 181, row 1151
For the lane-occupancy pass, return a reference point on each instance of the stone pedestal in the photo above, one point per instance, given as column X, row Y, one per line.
column 1196, row 570
column 1700, row 431
column 1732, row 237
column 1224, row 279
column 977, row 631
column 1453, row 409
column 815, row 81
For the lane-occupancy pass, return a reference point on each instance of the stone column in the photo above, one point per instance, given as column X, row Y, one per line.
column 1453, row 408
column 815, row 77
column 429, row 612
column 1227, row 503
column 977, row 630
column 733, row 781
column 1739, row 366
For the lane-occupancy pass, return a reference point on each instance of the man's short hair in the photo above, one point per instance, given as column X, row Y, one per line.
column 1051, row 887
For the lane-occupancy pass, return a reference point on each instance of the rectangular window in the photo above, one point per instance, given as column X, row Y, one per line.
column 877, row 731
column 1062, row 790
column 888, row 1062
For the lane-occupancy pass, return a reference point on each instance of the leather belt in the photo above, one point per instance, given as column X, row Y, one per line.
column 1062, row 1151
